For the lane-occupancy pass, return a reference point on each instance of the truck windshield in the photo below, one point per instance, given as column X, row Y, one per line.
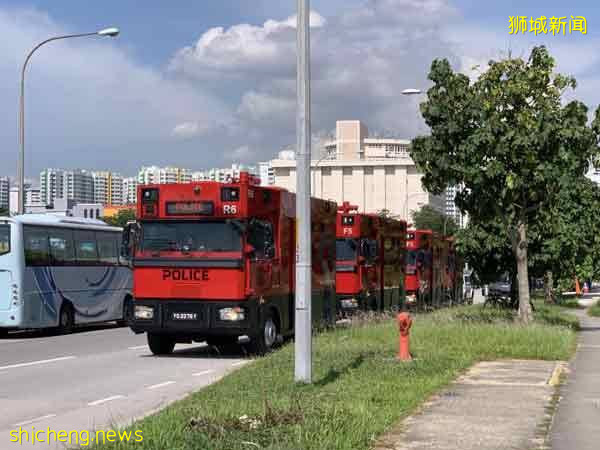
column 4, row 239
column 346, row 249
column 190, row 237
column 411, row 258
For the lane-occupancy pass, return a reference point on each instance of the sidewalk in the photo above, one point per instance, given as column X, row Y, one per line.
column 577, row 423
column 496, row 405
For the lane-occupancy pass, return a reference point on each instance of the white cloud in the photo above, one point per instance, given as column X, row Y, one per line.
column 240, row 154
column 88, row 102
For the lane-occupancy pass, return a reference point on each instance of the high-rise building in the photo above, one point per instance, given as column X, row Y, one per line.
column 163, row 175
column 32, row 198
column 130, row 185
column 266, row 173
column 4, row 193
column 451, row 210
column 375, row 174
column 225, row 174
column 108, row 188
column 77, row 185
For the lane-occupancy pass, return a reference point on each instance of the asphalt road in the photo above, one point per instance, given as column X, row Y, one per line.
column 94, row 378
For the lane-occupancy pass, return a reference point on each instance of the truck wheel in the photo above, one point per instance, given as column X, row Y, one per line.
column 66, row 319
column 264, row 341
column 160, row 344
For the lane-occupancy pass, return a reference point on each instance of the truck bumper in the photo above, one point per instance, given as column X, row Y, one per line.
column 193, row 319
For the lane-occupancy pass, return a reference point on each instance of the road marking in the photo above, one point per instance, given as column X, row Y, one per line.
column 159, row 385
column 239, row 363
column 105, row 400
column 27, row 422
column 204, row 372
column 35, row 363
column 139, row 347
column 12, row 341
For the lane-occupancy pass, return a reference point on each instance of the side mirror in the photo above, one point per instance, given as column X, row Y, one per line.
column 126, row 242
column 249, row 249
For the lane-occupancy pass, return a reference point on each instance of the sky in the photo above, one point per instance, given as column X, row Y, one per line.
column 205, row 83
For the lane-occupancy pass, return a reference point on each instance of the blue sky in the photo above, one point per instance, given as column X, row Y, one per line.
column 205, row 83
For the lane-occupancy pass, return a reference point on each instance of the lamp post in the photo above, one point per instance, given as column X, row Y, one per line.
column 303, row 310
column 111, row 32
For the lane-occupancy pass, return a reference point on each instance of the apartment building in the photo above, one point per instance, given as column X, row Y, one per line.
column 266, row 173
column 4, row 193
column 374, row 174
column 163, row 175
column 108, row 188
column 130, row 185
column 76, row 185
column 224, row 174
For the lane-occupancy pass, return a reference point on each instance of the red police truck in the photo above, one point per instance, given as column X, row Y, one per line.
column 370, row 261
column 216, row 261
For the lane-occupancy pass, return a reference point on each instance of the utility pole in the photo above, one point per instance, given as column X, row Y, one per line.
column 303, row 318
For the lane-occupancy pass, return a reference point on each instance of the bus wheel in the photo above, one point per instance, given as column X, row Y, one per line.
column 127, row 312
column 66, row 319
column 160, row 344
column 264, row 341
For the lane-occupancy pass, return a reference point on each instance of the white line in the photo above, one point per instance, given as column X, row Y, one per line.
column 27, row 422
column 105, row 400
column 35, row 363
column 239, row 363
column 205, row 372
column 12, row 341
column 159, row 385
column 138, row 347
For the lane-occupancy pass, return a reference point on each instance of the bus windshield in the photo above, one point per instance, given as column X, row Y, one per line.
column 4, row 239
column 346, row 249
column 189, row 237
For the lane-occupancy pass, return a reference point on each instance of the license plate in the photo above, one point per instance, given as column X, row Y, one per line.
column 184, row 316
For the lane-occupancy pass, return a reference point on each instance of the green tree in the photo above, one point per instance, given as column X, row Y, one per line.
column 121, row 218
column 429, row 218
column 4, row 212
column 508, row 141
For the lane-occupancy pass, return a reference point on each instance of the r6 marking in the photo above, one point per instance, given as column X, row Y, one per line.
column 230, row 209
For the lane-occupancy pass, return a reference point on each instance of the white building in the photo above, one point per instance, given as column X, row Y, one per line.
column 374, row 174
column 266, row 173
column 108, row 188
column 130, row 185
column 224, row 174
column 4, row 193
column 32, row 198
column 451, row 210
column 163, row 175
column 77, row 185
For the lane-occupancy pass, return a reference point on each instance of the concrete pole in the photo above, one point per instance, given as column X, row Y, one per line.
column 303, row 318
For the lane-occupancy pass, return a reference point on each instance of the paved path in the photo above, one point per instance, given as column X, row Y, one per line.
column 577, row 422
column 496, row 405
column 94, row 378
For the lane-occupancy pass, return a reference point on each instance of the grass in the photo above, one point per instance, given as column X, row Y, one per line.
column 359, row 389
column 594, row 310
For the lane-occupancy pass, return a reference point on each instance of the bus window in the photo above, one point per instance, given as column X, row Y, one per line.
column 62, row 251
column 107, row 247
column 36, row 246
column 85, row 246
column 4, row 239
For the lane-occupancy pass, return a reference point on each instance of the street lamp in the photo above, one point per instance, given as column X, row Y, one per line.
column 111, row 32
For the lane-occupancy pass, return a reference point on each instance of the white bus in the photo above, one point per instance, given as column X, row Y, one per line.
column 60, row 272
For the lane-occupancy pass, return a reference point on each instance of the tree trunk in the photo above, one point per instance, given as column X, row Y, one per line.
column 548, row 287
column 525, row 313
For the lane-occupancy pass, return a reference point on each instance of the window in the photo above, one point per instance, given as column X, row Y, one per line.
column 97, row 213
column 190, row 237
column 108, row 247
column 85, row 247
column 4, row 239
column 260, row 237
column 85, row 213
column 36, row 246
column 62, row 251
column 345, row 249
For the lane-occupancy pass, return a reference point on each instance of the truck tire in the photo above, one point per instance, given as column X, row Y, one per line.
column 160, row 344
column 266, row 338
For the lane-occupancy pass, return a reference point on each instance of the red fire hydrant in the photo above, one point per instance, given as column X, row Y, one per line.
column 404, row 324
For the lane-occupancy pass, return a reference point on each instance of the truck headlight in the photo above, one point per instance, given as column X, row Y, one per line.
column 143, row 312
column 236, row 314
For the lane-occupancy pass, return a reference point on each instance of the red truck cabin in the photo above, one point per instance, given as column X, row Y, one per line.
column 358, row 267
column 216, row 261
column 419, row 266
